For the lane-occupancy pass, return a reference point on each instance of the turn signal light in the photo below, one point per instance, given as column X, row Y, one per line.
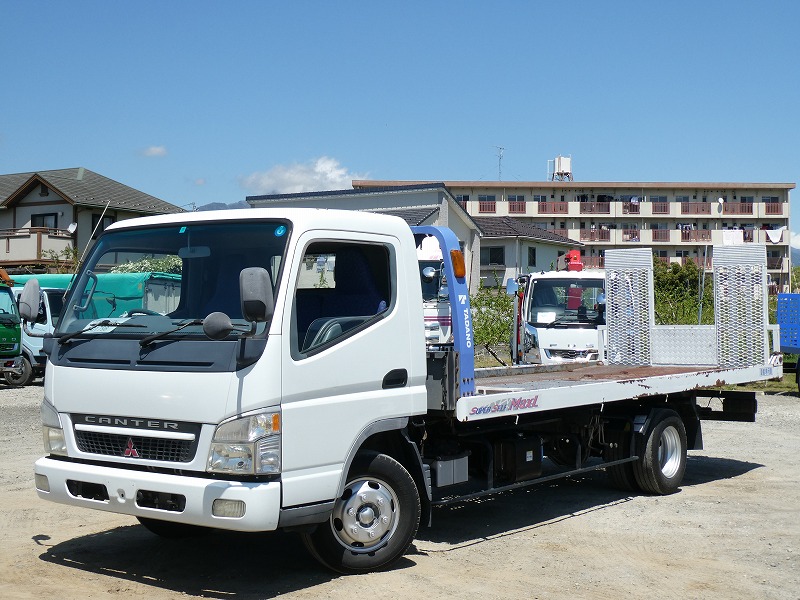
column 459, row 267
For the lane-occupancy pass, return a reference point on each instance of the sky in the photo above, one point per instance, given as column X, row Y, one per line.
column 200, row 102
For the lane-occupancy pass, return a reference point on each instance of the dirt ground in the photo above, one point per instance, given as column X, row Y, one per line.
column 731, row 532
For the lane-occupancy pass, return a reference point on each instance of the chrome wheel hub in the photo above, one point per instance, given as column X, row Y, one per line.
column 366, row 515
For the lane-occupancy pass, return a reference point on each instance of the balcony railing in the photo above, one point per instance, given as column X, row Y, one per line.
column 595, row 208
column 660, row 208
column 516, row 208
column 630, row 208
column 33, row 244
column 695, row 208
column 773, row 208
column 595, row 235
column 737, row 208
column 695, row 235
column 553, row 208
column 630, row 235
column 593, row 262
column 660, row 235
column 487, row 206
column 774, row 262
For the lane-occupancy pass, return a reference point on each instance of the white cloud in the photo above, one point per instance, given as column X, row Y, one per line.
column 200, row 181
column 155, row 151
column 795, row 241
column 319, row 174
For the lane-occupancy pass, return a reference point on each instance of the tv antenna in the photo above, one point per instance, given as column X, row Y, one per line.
column 500, row 151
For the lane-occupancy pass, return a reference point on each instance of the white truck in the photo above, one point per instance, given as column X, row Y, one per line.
column 558, row 314
column 274, row 403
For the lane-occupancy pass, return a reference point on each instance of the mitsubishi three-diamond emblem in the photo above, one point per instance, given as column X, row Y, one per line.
column 130, row 451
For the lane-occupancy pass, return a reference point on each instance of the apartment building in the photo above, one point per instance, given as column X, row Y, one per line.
column 679, row 221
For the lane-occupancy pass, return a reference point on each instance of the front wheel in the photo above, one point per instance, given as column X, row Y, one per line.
column 23, row 378
column 374, row 520
column 662, row 463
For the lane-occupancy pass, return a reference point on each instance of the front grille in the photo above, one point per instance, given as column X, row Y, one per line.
column 569, row 354
column 146, row 448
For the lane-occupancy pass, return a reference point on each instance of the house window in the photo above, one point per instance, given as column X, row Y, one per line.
column 105, row 223
column 770, row 199
column 681, row 199
column 462, row 199
column 516, row 204
column 493, row 255
column 44, row 191
column 531, row 257
column 539, row 198
column 49, row 220
column 486, row 204
column 746, row 199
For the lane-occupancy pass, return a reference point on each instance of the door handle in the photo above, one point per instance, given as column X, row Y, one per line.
column 396, row 378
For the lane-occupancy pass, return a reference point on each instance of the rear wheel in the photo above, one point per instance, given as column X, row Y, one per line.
column 23, row 378
column 660, row 468
column 374, row 520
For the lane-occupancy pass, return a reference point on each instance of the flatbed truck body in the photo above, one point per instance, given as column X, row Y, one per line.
column 311, row 400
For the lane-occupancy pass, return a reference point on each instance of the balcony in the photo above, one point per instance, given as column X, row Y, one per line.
column 773, row 208
column 593, row 262
column 516, row 208
column 553, row 208
column 696, row 235
column 630, row 235
column 630, row 208
column 33, row 245
column 737, row 208
column 659, row 208
column 774, row 263
column 660, row 235
column 595, row 208
column 487, row 206
column 695, row 208
column 595, row 235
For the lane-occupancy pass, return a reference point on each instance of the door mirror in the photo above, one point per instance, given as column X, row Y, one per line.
column 29, row 301
column 255, row 290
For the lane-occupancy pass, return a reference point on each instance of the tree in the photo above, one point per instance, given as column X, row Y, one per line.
column 492, row 317
column 167, row 264
column 677, row 294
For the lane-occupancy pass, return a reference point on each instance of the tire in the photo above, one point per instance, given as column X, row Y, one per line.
column 168, row 529
column 621, row 476
column 373, row 522
column 662, row 463
column 22, row 379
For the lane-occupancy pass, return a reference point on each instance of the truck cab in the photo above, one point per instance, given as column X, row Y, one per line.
column 559, row 314
column 10, row 334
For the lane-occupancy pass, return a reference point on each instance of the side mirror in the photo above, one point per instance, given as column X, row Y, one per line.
column 512, row 287
column 29, row 301
column 428, row 274
column 255, row 290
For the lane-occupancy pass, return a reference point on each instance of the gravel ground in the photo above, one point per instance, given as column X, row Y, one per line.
column 731, row 532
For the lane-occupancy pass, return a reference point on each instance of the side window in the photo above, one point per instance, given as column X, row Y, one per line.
column 342, row 288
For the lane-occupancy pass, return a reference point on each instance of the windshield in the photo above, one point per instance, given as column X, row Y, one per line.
column 55, row 298
column 564, row 301
column 7, row 304
column 144, row 281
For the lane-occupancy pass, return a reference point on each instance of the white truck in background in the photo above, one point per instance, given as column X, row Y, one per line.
column 557, row 314
column 264, row 401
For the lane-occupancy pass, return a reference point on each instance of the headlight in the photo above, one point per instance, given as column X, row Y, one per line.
column 247, row 445
column 52, row 432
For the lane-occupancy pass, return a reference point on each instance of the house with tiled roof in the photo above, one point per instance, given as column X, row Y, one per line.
column 46, row 215
column 511, row 246
column 428, row 204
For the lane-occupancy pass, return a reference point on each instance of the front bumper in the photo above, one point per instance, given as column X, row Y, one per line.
column 11, row 365
column 122, row 491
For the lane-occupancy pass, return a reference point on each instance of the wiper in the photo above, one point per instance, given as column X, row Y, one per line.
column 104, row 323
column 146, row 341
column 559, row 321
